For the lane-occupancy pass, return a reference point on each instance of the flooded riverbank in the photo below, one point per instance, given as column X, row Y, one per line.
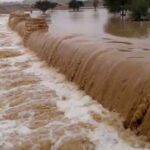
column 41, row 110
column 97, row 24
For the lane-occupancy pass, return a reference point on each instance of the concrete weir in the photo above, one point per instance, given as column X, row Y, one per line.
column 113, row 73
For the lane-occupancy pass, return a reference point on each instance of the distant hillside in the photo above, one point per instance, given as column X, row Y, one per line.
column 62, row 2
column 26, row 5
column 8, row 8
column 58, row 1
column 11, row 7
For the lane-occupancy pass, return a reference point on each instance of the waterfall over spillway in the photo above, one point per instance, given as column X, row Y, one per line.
column 113, row 72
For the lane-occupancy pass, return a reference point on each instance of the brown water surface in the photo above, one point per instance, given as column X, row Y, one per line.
column 115, row 71
column 99, row 23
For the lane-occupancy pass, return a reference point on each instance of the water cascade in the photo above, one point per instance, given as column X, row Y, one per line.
column 114, row 73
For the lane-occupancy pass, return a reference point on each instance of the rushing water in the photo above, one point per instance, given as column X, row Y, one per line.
column 41, row 110
column 99, row 23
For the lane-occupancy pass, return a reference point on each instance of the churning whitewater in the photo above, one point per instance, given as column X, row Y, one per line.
column 41, row 110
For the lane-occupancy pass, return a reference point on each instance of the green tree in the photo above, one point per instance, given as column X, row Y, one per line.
column 116, row 5
column 45, row 5
column 75, row 4
column 139, row 9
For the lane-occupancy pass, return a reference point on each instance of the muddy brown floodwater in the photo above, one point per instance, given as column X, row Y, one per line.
column 41, row 110
column 96, row 24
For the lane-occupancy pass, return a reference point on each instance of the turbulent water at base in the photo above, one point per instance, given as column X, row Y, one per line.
column 41, row 110
column 114, row 72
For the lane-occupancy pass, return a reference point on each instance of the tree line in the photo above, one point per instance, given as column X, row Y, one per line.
column 44, row 5
column 137, row 9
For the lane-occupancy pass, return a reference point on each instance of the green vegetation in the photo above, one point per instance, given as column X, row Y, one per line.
column 116, row 5
column 139, row 9
column 75, row 5
column 45, row 5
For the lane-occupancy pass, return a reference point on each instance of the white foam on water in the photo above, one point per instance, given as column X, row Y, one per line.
column 78, row 107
